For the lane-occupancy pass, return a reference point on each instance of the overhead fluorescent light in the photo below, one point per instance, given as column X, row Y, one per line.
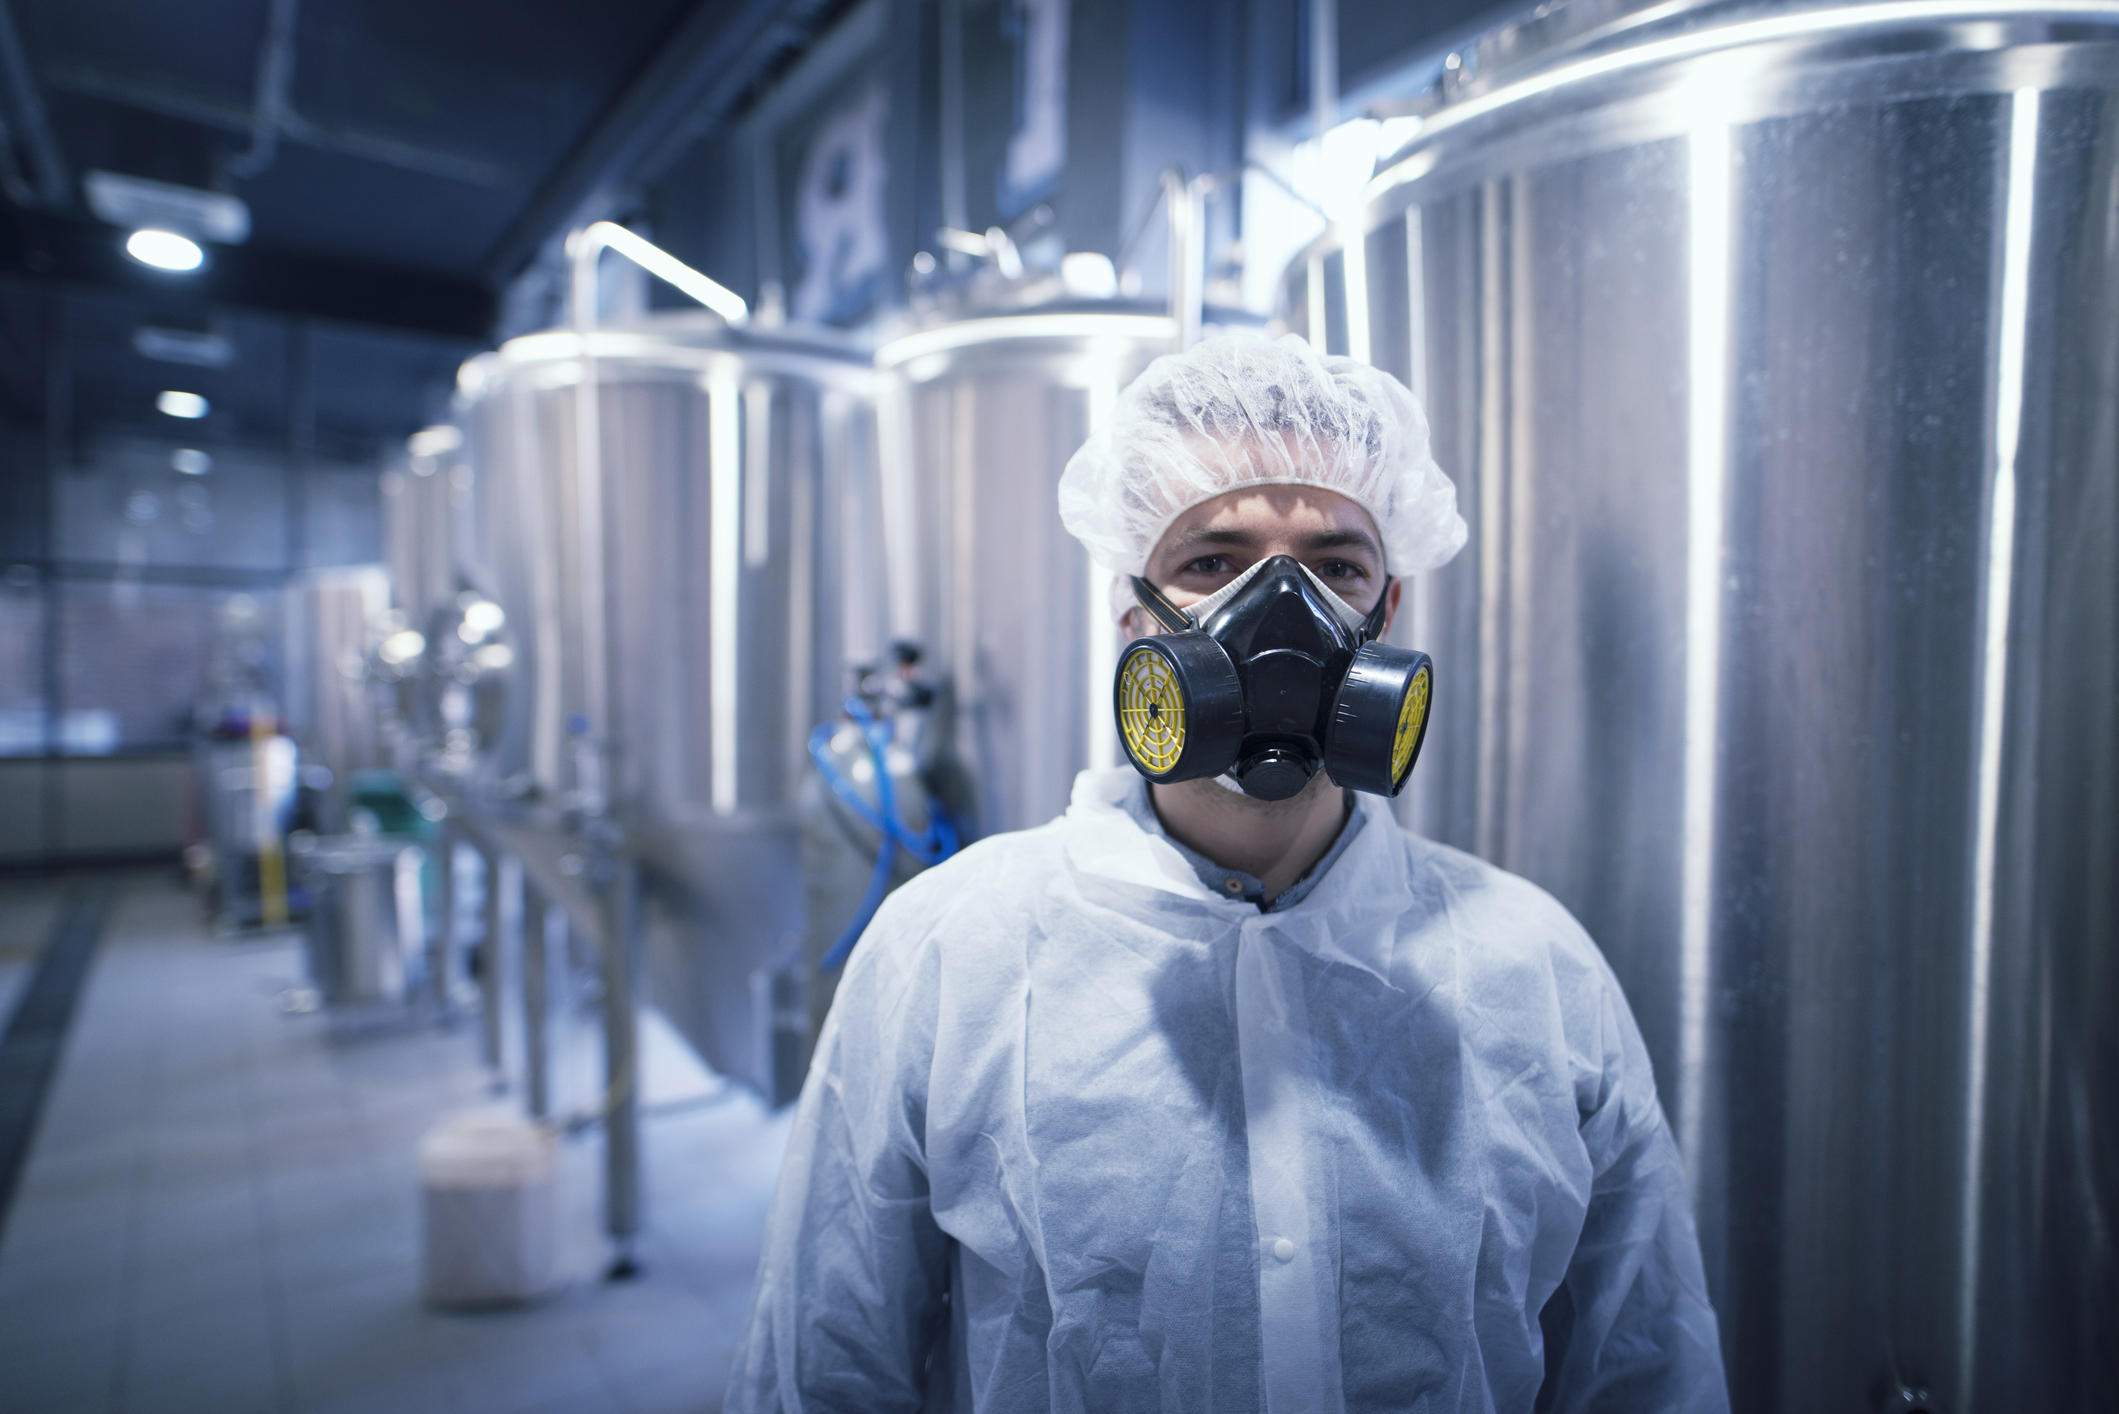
column 164, row 250
column 198, row 348
column 180, row 404
column 163, row 206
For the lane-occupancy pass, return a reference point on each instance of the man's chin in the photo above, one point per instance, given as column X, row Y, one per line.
column 1223, row 795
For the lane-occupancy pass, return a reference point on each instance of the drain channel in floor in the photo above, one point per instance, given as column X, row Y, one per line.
column 36, row 1033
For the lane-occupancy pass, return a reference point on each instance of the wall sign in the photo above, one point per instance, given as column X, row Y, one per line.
column 1037, row 153
column 839, row 213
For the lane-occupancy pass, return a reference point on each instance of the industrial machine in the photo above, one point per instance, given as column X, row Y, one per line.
column 1771, row 349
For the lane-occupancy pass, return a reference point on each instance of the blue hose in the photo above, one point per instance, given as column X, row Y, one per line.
column 930, row 846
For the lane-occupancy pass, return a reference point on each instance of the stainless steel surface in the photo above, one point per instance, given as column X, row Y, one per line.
column 366, row 920
column 619, row 943
column 740, row 534
column 540, row 921
column 331, row 701
column 503, row 911
column 1772, row 351
column 420, row 532
column 442, row 941
column 978, row 419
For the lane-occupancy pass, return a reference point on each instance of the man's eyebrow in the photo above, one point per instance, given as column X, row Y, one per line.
column 1236, row 538
column 1200, row 535
column 1341, row 540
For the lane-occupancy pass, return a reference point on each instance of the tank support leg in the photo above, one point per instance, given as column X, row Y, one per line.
column 539, row 919
column 619, row 923
column 503, row 908
column 441, row 943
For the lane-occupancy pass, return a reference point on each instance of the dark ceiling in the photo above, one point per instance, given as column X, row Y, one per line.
column 412, row 159
column 415, row 133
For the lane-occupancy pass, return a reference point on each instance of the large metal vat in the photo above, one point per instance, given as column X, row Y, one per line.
column 739, row 535
column 979, row 416
column 1773, row 350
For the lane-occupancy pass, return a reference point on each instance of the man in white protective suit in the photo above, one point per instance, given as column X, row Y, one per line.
column 1222, row 1092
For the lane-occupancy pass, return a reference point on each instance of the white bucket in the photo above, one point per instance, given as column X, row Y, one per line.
column 490, row 1185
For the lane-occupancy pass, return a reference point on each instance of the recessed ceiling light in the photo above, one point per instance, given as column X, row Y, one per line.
column 178, row 404
column 164, row 250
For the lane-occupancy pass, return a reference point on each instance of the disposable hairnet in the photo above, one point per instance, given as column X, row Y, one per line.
column 1244, row 410
column 1084, row 1136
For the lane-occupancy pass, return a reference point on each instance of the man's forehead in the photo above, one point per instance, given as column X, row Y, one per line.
column 1308, row 517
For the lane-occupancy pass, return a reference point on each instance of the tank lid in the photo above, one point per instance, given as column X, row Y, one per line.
column 1562, row 30
column 1113, row 320
column 1561, row 39
column 684, row 330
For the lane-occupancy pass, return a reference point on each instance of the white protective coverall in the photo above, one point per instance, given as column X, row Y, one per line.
column 1082, row 1135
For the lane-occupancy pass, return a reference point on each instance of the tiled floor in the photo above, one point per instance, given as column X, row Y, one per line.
column 221, row 1213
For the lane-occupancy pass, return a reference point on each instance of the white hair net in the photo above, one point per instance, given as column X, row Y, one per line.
column 1245, row 410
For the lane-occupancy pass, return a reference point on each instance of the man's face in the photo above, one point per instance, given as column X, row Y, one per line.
column 1217, row 540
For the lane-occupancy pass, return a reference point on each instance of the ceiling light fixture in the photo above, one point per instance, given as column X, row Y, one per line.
column 191, row 461
column 164, row 250
column 135, row 202
column 179, row 404
column 200, row 348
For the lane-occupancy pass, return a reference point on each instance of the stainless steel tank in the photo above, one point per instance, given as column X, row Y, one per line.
column 421, row 496
column 978, row 418
column 1773, row 351
column 332, row 617
column 740, row 541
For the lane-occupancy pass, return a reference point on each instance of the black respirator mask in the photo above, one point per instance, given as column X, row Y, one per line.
column 1268, row 679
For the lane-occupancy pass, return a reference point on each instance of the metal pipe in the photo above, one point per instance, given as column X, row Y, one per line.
column 1324, row 67
column 26, row 115
column 1185, row 206
column 275, row 78
column 955, row 208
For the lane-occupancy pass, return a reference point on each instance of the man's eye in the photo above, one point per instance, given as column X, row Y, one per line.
column 1209, row 564
column 1340, row 569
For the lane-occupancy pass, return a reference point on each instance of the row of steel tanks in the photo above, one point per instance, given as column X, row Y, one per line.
column 1773, row 351
column 682, row 539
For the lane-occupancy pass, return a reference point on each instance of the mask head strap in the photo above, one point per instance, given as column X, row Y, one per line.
column 1372, row 627
column 1172, row 618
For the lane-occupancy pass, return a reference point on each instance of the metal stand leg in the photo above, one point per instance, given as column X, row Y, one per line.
column 503, row 910
column 619, row 923
column 441, row 943
column 538, row 921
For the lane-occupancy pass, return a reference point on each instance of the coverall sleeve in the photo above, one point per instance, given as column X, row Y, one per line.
column 852, row 1287
column 1631, row 1330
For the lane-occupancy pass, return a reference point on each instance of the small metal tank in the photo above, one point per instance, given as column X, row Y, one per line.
column 740, row 540
column 1772, row 350
column 979, row 415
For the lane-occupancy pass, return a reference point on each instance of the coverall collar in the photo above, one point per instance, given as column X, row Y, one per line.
column 1336, row 920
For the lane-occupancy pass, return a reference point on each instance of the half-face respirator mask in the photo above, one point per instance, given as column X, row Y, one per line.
column 1266, row 680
